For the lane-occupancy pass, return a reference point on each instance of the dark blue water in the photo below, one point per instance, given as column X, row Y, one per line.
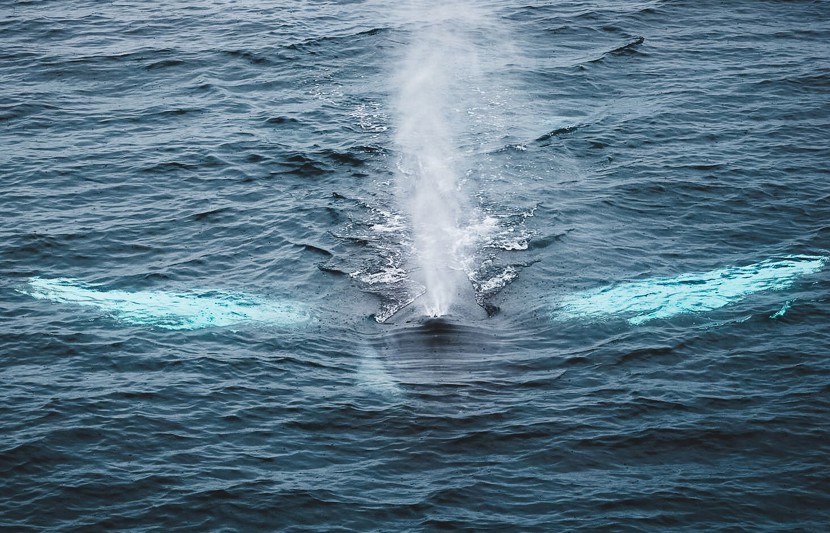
column 176, row 164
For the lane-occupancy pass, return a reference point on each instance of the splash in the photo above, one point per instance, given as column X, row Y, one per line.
column 431, row 83
column 168, row 310
column 642, row 301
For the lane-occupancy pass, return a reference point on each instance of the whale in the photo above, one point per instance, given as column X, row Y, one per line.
column 190, row 310
column 641, row 301
column 636, row 302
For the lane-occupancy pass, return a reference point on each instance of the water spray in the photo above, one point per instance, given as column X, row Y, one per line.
column 431, row 79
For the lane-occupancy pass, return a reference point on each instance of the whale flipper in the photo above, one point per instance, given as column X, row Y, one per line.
column 171, row 310
column 650, row 299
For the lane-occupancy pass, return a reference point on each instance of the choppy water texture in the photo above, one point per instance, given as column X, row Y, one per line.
column 212, row 310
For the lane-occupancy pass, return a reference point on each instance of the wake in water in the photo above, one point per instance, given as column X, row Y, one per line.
column 651, row 299
column 169, row 310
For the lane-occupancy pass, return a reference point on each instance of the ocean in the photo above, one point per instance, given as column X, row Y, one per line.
column 415, row 266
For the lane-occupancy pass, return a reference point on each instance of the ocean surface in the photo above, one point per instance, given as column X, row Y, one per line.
column 223, row 226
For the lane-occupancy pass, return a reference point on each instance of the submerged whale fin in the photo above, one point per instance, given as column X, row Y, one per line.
column 171, row 310
column 650, row 299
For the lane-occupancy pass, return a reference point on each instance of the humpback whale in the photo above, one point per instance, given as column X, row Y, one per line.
column 636, row 302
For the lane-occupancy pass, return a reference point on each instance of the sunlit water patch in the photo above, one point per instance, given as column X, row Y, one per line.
column 641, row 301
column 171, row 310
